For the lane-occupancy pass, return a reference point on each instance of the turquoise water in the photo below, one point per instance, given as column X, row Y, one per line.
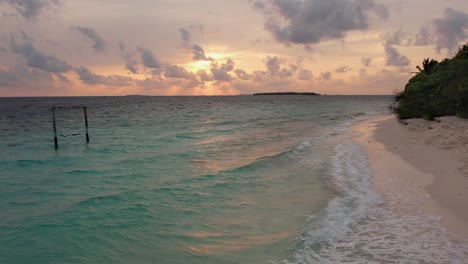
column 185, row 180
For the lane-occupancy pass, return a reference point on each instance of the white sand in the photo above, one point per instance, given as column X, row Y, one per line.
column 421, row 165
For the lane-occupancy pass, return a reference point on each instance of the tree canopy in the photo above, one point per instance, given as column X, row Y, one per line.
column 438, row 89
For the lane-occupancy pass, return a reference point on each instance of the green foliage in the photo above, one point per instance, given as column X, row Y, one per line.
column 428, row 66
column 438, row 89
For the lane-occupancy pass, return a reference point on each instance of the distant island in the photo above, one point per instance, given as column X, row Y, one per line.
column 286, row 93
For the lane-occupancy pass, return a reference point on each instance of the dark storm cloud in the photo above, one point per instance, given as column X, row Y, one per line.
column 91, row 78
column 39, row 60
column 394, row 58
column 366, row 61
column 451, row 29
column 131, row 62
column 148, row 59
column 99, row 44
column 30, row 9
column 311, row 21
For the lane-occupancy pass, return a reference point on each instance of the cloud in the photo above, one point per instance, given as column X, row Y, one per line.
column 447, row 32
column 38, row 60
column 424, row 37
column 274, row 70
column 304, row 75
column 99, row 44
column 382, row 82
column 312, row 21
column 221, row 72
column 325, row 75
column 175, row 71
column 366, row 61
column 199, row 53
column 204, row 76
column 31, row 9
column 186, row 36
column 343, row 69
column 273, row 65
column 21, row 77
column 148, row 59
column 450, row 30
column 242, row 75
column 394, row 58
column 259, row 76
column 131, row 62
column 398, row 38
column 91, row 78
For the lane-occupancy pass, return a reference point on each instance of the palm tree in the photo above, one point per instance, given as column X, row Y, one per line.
column 462, row 52
column 428, row 64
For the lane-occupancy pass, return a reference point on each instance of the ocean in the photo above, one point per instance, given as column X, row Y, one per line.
column 235, row 179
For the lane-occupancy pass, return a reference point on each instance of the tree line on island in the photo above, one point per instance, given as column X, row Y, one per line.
column 438, row 89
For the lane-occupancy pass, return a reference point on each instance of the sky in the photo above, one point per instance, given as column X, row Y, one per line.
column 212, row 47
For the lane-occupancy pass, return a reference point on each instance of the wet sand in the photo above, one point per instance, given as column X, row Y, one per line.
column 421, row 165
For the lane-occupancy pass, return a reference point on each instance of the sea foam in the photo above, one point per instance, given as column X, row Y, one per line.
column 357, row 227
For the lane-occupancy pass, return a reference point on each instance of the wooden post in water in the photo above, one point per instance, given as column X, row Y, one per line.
column 85, row 110
column 55, row 128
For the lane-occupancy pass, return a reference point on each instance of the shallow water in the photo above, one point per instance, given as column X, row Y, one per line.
column 189, row 180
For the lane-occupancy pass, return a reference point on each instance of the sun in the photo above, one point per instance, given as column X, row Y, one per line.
column 214, row 55
column 204, row 64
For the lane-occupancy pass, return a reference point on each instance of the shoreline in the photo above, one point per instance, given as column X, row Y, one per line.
column 420, row 166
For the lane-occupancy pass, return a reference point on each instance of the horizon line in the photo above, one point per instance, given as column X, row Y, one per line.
column 50, row 96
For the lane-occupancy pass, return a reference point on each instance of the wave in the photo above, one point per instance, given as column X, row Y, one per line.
column 270, row 159
column 356, row 227
column 351, row 178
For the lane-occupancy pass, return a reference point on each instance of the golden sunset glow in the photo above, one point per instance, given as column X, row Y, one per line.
column 198, row 65
column 84, row 52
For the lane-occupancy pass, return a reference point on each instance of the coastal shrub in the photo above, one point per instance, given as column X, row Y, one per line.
column 438, row 89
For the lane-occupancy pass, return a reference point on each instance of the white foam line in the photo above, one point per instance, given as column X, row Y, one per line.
column 356, row 228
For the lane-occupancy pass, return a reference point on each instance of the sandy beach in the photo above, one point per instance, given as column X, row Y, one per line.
column 420, row 166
